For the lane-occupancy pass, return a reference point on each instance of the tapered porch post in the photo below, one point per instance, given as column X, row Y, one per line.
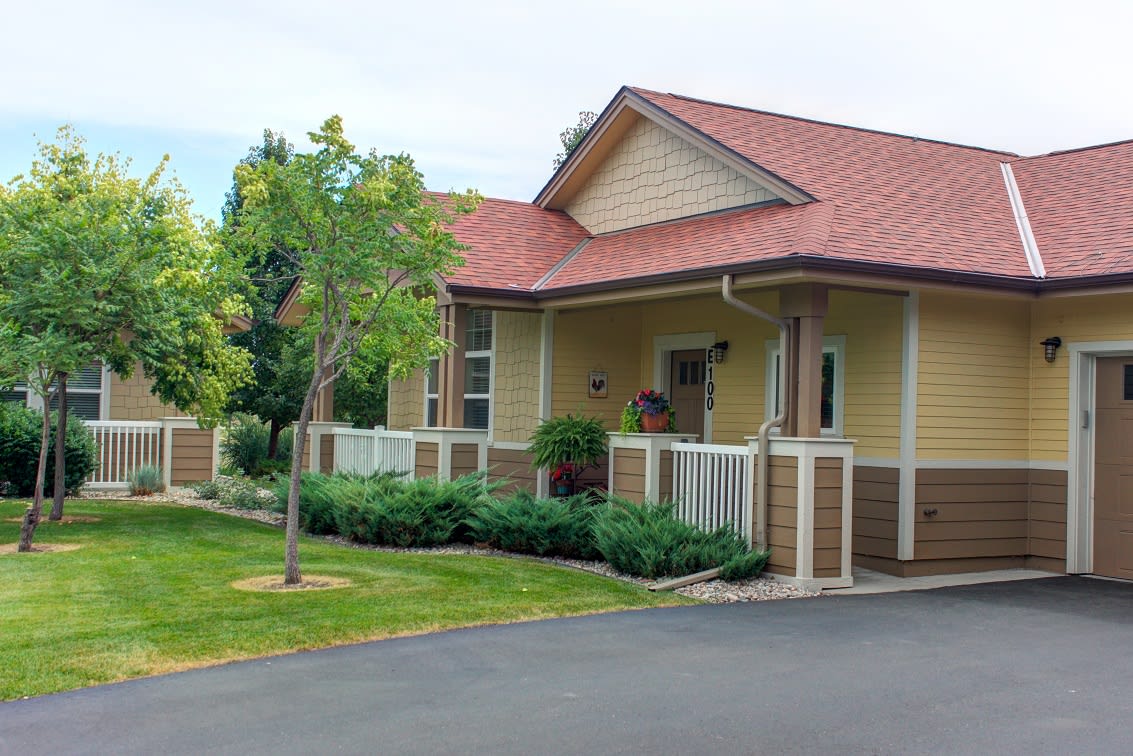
column 450, row 373
column 806, row 306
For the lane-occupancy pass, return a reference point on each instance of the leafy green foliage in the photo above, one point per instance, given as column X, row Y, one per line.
column 648, row 541
column 382, row 509
column 578, row 441
column 367, row 242
column 245, row 445
column 572, row 136
column 544, row 527
column 146, row 480
column 20, row 430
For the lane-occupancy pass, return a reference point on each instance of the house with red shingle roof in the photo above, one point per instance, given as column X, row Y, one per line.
column 931, row 343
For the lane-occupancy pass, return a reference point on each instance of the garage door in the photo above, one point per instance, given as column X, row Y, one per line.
column 1113, row 469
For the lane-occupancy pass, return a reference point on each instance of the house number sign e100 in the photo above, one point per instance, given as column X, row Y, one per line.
column 709, row 383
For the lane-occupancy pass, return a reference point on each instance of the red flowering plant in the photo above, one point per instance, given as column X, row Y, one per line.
column 565, row 471
column 647, row 402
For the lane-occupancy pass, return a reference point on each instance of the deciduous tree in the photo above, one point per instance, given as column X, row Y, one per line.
column 96, row 264
column 367, row 242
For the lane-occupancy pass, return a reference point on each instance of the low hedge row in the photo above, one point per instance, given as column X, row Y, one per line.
column 642, row 540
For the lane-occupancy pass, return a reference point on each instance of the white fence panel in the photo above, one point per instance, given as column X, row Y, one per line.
column 712, row 486
column 123, row 447
column 366, row 452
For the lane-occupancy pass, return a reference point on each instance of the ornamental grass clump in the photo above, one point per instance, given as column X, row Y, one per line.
column 646, row 540
column 146, row 480
column 544, row 527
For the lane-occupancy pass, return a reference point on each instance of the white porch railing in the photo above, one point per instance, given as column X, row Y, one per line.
column 712, row 486
column 123, row 447
column 365, row 452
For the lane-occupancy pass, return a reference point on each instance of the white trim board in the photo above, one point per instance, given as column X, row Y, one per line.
column 907, row 480
column 1080, row 447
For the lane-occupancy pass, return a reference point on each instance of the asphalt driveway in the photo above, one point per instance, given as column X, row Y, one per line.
column 1043, row 666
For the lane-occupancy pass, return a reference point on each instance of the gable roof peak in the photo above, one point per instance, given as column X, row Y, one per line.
column 802, row 119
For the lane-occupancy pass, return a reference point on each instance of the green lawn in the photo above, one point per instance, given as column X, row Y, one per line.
column 148, row 592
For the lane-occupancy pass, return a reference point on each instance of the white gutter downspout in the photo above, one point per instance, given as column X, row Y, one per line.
column 775, row 422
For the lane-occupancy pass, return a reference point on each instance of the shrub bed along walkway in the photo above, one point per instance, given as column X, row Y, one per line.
column 711, row 591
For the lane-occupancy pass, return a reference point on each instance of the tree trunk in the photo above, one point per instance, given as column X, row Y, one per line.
column 59, row 487
column 291, row 573
column 31, row 516
column 273, row 438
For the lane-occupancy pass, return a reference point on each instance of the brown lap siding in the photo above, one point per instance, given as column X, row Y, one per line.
column 192, row 455
column 425, row 464
column 782, row 513
column 827, row 517
column 1046, row 535
column 629, row 474
column 514, row 465
column 876, row 495
column 465, row 459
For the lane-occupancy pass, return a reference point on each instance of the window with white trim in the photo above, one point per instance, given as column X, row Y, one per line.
column 87, row 391
column 432, row 394
column 478, row 369
column 833, row 383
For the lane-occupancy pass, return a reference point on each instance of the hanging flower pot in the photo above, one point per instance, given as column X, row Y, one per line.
column 658, row 423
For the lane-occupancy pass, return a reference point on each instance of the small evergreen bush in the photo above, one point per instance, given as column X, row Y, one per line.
column 382, row 509
column 146, row 480
column 544, row 527
column 648, row 541
column 244, row 445
column 234, row 492
column 20, row 430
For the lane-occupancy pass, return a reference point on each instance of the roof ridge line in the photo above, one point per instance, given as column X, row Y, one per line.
column 834, row 124
column 1072, row 150
column 1030, row 246
column 560, row 264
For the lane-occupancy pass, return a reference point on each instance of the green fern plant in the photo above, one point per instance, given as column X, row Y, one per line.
column 576, row 441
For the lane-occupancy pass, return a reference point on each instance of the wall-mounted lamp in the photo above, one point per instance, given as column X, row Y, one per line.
column 720, row 347
column 1050, row 346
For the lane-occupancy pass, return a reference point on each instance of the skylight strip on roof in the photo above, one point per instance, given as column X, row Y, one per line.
column 1030, row 246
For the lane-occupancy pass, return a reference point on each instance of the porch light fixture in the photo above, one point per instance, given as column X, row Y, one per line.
column 1050, row 346
column 720, row 347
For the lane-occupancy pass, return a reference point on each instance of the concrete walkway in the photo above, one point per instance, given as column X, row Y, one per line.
column 1025, row 667
column 868, row 581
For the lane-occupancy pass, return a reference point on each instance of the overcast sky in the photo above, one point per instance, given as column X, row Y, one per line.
column 478, row 92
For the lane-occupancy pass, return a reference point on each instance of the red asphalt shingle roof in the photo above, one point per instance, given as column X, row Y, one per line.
column 880, row 198
column 898, row 199
column 512, row 244
column 1080, row 204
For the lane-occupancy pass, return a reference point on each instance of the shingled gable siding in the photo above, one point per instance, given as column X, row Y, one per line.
column 130, row 399
column 516, row 399
column 407, row 402
column 653, row 175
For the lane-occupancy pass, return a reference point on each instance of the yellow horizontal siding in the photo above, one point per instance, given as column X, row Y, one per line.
column 973, row 378
column 606, row 339
column 1073, row 319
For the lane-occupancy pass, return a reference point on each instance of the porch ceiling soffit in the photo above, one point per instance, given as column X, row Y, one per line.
column 612, row 124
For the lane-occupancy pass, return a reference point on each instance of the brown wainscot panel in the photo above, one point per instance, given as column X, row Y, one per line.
column 876, row 495
column 828, row 517
column 514, row 465
column 782, row 514
column 425, row 464
column 629, row 474
column 192, row 455
column 465, row 459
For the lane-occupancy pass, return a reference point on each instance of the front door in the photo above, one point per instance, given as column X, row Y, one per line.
column 686, row 390
column 1113, row 468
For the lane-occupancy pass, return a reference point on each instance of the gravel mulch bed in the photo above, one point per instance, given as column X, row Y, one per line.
column 711, row 591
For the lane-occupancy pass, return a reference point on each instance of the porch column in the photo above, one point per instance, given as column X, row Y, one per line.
column 450, row 373
column 805, row 305
column 323, row 411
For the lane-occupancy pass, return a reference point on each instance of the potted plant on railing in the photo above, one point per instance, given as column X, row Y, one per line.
column 649, row 412
column 567, row 446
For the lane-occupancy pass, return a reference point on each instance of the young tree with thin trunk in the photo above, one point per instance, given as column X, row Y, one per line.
column 98, row 265
column 368, row 243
